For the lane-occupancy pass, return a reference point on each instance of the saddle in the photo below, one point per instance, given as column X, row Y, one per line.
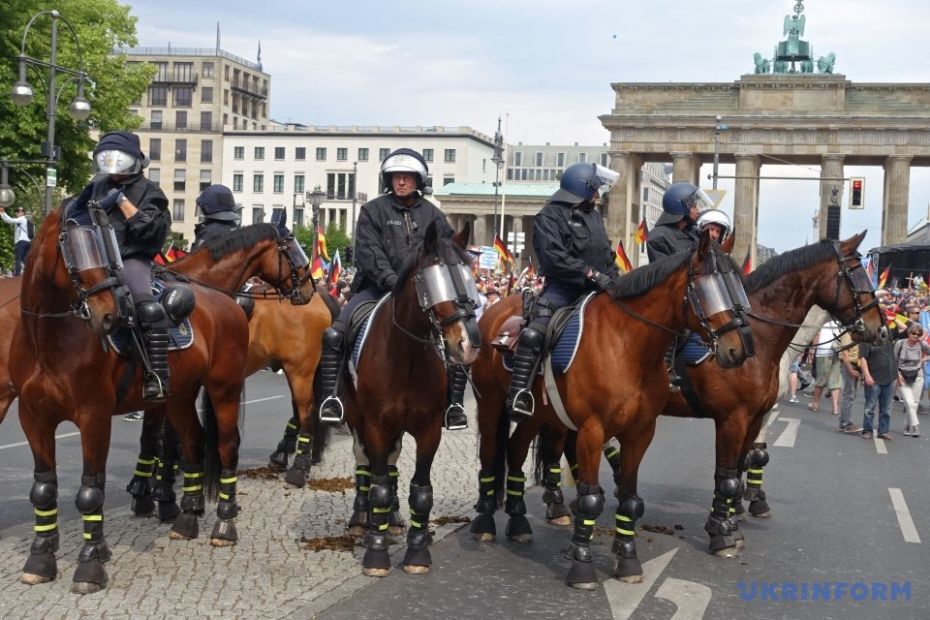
column 357, row 332
column 178, row 301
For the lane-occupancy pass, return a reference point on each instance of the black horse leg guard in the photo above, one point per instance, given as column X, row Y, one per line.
column 361, row 506
column 192, row 504
column 90, row 576
column 628, row 567
column 287, row 445
column 757, row 458
column 722, row 528
column 483, row 527
column 166, row 473
column 455, row 418
column 300, row 470
column 395, row 521
column 525, row 364
column 140, row 487
column 224, row 531
column 381, row 497
column 587, row 508
column 417, row 558
column 154, row 326
column 552, row 496
column 328, row 371
column 41, row 565
column 518, row 528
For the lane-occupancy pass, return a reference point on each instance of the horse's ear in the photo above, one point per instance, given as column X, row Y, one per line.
column 729, row 242
column 431, row 239
column 852, row 244
column 461, row 237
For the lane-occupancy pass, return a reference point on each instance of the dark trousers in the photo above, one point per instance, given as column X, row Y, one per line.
column 19, row 252
column 556, row 295
column 137, row 275
column 369, row 293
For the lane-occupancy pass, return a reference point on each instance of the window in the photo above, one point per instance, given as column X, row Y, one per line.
column 446, row 180
column 363, row 154
column 180, row 119
column 259, row 152
column 428, row 154
column 545, row 174
column 158, row 95
column 510, row 174
column 321, row 153
column 560, row 160
column 518, row 159
column 298, row 184
column 279, row 152
column 206, row 121
column 429, row 182
column 206, row 179
column 298, row 218
column 523, row 174
column 258, row 183
column 238, row 152
column 206, row 151
column 180, row 150
column 604, row 158
column 258, row 214
column 177, row 210
column 226, row 73
column 156, row 119
column 183, row 96
column 531, row 174
column 342, row 154
column 184, row 72
column 161, row 71
column 180, row 181
column 154, row 175
column 450, row 156
column 645, row 194
column 340, row 186
column 582, row 158
column 155, row 149
column 226, row 95
column 383, row 153
column 278, row 184
column 539, row 158
column 207, row 69
column 300, row 153
column 237, row 182
column 206, row 94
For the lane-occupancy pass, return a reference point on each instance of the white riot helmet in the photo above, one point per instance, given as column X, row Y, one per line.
column 718, row 217
column 405, row 160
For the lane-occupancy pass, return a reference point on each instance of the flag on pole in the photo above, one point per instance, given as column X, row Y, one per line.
column 335, row 269
column 321, row 243
column 502, row 249
column 316, row 268
column 747, row 263
column 883, row 279
column 622, row 260
column 642, row 233
column 870, row 270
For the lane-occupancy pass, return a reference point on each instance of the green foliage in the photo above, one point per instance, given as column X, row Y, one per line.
column 6, row 247
column 177, row 240
column 337, row 239
column 101, row 26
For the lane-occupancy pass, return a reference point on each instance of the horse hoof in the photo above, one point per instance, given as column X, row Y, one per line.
column 587, row 586
column 168, row 512
column 89, row 577
column 396, row 530
column 185, row 527
column 561, row 521
column 143, row 506
column 376, row 572
column 31, row 579
column 357, row 531
column 628, row 570
column 631, row 579
column 278, row 460
column 727, row 552
column 296, row 477
column 376, row 562
column 483, row 528
column 484, row 537
column 582, row 575
column 411, row 569
column 760, row 509
column 84, row 587
column 224, row 533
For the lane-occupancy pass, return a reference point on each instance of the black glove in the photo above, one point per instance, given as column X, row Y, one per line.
column 111, row 200
column 601, row 280
column 390, row 282
column 80, row 203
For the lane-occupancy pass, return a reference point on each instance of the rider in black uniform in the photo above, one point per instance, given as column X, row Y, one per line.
column 218, row 212
column 675, row 229
column 386, row 227
column 575, row 257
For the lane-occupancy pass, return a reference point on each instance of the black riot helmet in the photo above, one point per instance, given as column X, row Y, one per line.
column 216, row 202
column 405, row 160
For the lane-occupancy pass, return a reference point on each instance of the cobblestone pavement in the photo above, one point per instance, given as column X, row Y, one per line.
column 267, row 574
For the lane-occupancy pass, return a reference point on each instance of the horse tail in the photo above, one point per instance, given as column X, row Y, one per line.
column 211, row 445
column 540, row 450
column 319, row 440
column 500, row 458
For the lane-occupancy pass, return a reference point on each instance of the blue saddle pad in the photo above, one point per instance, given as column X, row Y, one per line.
column 562, row 353
column 362, row 336
column 693, row 350
column 180, row 336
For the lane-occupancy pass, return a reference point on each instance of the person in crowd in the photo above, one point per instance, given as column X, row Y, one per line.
column 850, row 378
column 879, row 372
column 828, row 368
column 22, row 240
column 910, row 354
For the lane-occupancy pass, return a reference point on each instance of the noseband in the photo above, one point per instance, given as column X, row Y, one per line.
column 723, row 285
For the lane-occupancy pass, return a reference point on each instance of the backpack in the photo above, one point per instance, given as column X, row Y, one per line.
column 30, row 230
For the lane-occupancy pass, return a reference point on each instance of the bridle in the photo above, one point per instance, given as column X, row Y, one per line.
column 719, row 289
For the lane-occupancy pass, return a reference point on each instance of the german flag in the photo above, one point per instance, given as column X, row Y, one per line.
column 747, row 263
column 316, row 268
column 335, row 269
column 642, row 233
column 502, row 249
column 883, row 279
column 622, row 260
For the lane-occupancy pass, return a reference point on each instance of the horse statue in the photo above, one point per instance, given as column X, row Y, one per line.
column 426, row 323
column 72, row 299
column 616, row 386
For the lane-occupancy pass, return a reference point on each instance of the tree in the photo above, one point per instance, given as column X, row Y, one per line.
column 336, row 239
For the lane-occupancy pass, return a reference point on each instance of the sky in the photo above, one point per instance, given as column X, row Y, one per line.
column 546, row 68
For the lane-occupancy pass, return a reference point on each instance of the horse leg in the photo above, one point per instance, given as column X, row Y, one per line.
column 417, row 559
column 287, row 445
column 193, row 502
column 225, row 399
column 41, row 565
column 630, row 506
column 518, row 528
column 757, row 457
column 90, row 576
column 493, row 430
column 140, row 485
column 302, row 397
column 169, row 458
column 550, row 450
column 586, row 507
column 358, row 522
column 396, row 523
column 377, row 562
column 722, row 525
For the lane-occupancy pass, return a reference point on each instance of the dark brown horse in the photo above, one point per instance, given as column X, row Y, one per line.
column 615, row 387
column 426, row 323
column 63, row 373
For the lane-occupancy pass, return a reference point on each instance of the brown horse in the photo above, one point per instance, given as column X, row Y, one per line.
column 615, row 387
column 426, row 323
column 63, row 373
column 9, row 319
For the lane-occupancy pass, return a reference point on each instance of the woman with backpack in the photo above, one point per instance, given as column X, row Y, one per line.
column 910, row 353
column 22, row 239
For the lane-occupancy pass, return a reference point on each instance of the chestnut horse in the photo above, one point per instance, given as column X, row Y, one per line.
column 616, row 387
column 63, row 373
column 427, row 322
column 9, row 319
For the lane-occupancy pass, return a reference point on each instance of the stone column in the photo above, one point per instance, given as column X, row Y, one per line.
column 685, row 167
column 623, row 213
column 746, row 207
column 894, row 202
column 480, row 232
column 528, row 250
column 831, row 175
column 516, row 227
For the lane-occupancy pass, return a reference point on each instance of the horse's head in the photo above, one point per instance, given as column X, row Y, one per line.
column 718, row 302
column 853, row 299
column 446, row 292
column 292, row 271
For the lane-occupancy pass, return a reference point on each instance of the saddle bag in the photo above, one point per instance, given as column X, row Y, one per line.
column 508, row 335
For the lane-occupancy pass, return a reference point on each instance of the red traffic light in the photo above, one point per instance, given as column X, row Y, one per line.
column 857, row 185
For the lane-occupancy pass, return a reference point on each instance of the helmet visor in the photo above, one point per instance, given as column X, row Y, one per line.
column 699, row 199
column 116, row 162
column 605, row 179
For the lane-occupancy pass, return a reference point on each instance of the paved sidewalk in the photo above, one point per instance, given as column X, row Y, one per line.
column 266, row 575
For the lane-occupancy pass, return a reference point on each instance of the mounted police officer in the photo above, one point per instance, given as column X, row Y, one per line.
column 675, row 229
column 386, row 227
column 218, row 212
column 138, row 212
column 575, row 257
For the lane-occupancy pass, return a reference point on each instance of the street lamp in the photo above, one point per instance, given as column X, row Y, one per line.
column 498, row 159
column 354, row 199
column 22, row 93
column 316, row 199
column 718, row 127
column 7, row 195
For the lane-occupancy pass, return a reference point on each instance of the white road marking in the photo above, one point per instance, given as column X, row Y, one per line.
column 773, row 415
column 260, row 400
column 904, row 516
column 690, row 598
column 624, row 598
column 880, row 445
column 790, row 434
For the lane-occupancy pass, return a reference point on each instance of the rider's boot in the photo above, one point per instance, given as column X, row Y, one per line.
column 455, row 418
column 525, row 364
column 331, row 411
column 154, row 325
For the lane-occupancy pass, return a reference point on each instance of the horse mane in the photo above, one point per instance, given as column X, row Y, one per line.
column 793, row 260
column 240, row 239
column 411, row 258
column 641, row 280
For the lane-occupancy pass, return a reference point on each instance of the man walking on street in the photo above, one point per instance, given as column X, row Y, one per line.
column 879, row 373
column 849, row 370
column 21, row 239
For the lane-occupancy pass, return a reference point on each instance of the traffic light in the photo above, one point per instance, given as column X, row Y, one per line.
column 857, row 193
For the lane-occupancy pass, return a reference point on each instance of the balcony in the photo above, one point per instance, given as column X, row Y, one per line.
column 175, row 79
column 246, row 88
column 213, row 127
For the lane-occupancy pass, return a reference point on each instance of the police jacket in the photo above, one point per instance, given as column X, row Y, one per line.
column 384, row 231
column 211, row 229
column 669, row 239
column 570, row 241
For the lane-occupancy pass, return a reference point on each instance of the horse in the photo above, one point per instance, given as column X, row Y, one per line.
column 615, row 387
column 782, row 292
column 220, row 264
column 9, row 319
column 426, row 322
column 71, row 283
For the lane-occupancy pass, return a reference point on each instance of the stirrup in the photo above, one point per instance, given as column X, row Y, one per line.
column 455, row 418
column 153, row 391
column 517, row 411
column 335, row 404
